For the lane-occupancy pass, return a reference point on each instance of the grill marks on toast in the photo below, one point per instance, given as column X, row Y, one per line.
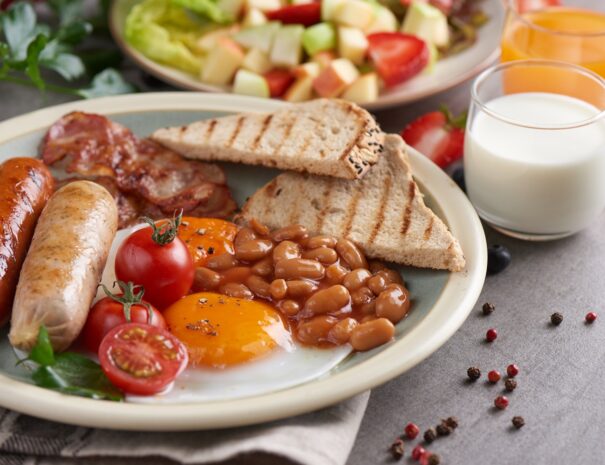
column 295, row 209
column 209, row 130
column 236, row 131
column 287, row 131
column 429, row 229
column 407, row 215
column 381, row 208
column 327, row 196
column 264, row 126
column 350, row 214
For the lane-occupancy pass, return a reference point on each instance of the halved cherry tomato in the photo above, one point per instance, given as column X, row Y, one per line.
column 397, row 56
column 306, row 14
column 115, row 310
column 523, row 6
column 158, row 260
column 141, row 359
column 205, row 237
column 278, row 81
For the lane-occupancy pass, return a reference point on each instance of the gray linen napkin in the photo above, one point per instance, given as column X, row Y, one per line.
column 324, row 437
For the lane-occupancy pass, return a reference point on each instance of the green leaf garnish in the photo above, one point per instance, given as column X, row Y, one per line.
column 108, row 82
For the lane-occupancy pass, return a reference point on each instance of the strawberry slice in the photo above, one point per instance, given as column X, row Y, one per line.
column 438, row 135
column 397, row 56
column 306, row 14
column 278, row 81
column 524, row 6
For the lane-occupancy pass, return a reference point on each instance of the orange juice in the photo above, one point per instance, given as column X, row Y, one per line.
column 566, row 34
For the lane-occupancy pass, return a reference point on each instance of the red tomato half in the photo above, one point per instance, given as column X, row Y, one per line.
column 278, row 81
column 142, row 359
column 397, row 56
column 165, row 271
column 106, row 314
column 306, row 14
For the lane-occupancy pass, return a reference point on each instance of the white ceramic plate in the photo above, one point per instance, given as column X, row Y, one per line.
column 447, row 73
column 441, row 300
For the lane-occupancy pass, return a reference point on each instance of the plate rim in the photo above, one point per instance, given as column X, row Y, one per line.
column 442, row 321
column 173, row 77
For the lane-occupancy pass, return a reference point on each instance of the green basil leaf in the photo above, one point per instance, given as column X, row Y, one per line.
column 32, row 69
column 19, row 26
column 42, row 353
column 66, row 64
column 73, row 33
column 108, row 82
column 68, row 11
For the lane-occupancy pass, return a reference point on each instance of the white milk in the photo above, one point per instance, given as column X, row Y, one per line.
column 531, row 180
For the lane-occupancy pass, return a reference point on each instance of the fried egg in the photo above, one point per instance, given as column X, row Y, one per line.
column 237, row 348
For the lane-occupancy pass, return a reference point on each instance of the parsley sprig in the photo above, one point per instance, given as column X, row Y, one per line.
column 29, row 48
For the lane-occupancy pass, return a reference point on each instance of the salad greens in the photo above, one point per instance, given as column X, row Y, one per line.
column 28, row 48
column 69, row 373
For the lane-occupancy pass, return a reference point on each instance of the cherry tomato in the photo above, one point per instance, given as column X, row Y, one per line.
column 115, row 310
column 141, row 359
column 205, row 237
column 157, row 260
column 397, row 56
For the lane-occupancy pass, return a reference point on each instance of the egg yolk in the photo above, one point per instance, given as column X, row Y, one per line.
column 205, row 237
column 221, row 331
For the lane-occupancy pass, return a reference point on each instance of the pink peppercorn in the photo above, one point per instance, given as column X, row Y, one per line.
column 501, row 402
column 418, row 452
column 491, row 335
column 493, row 376
column 411, row 431
column 591, row 317
column 512, row 370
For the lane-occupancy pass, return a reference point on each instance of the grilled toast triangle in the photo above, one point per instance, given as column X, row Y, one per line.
column 327, row 137
column 383, row 213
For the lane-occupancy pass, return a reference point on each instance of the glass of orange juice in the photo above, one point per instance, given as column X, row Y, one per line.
column 565, row 30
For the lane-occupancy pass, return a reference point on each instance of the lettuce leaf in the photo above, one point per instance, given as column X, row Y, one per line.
column 205, row 8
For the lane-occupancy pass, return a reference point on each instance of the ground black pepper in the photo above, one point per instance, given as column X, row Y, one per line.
column 488, row 308
column 473, row 373
column 397, row 449
column 510, row 384
column 518, row 422
column 430, row 435
column 556, row 318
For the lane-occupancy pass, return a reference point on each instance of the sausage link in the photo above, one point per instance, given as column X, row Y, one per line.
column 25, row 186
column 60, row 274
column 351, row 254
column 372, row 334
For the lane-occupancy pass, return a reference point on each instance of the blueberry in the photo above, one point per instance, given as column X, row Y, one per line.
column 498, row 258
column 458, row 177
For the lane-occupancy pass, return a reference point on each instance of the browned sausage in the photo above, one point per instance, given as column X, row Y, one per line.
column 25, row 186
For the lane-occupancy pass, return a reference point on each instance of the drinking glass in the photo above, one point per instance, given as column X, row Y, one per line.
column 534, row 155
column 573, row 32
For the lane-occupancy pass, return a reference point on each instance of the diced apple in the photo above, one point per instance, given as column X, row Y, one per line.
column 254, row 17
column 318, row 38
column 232, row 7
column 287, row 46
column 260, row 37
column 248, row 83
column 323, row 59
column 384, row 21
column 309, row 69
column 355, row 13
column 222, row 62
column 264, row 5
column 427, row 22
column 333, row 80
column 329, row 7
column 301, row 2
column 257, row 61
column 208, row 41
column 352, row 44
column 300, row 91
column 364, row 90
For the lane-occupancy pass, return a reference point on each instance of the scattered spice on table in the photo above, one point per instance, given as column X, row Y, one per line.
column 590, row 317
column 510, row 384
column 411, row 430
column 494, row 376
column 473, row 373
column 434, row 459
column 501, row 402
column 418, row 452
column 397, row 449
column 452, row 422
column 512, row 370
column 491, row 335
column 443, row 430
column 430, row 435
column 556, row 318
column 488, row 308
column 518, row 422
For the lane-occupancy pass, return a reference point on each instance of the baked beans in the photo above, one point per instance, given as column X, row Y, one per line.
column 322, row 285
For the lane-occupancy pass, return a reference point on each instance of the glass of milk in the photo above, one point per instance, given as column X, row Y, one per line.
column 534, row 149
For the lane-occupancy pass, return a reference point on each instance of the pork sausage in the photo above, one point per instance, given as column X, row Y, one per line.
column 25, row 186
column 66, row 258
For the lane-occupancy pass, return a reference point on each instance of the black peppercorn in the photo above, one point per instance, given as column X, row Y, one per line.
column 434, row 459
column 443, row 430
column 556, row 318
column 397, row 449
column 430, row 435
column 473, row 373
column 510, row 384
column 488, row 308
column 518, row 422
column 452, row 422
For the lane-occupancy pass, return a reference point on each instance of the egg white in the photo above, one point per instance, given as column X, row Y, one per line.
column 286, row 366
